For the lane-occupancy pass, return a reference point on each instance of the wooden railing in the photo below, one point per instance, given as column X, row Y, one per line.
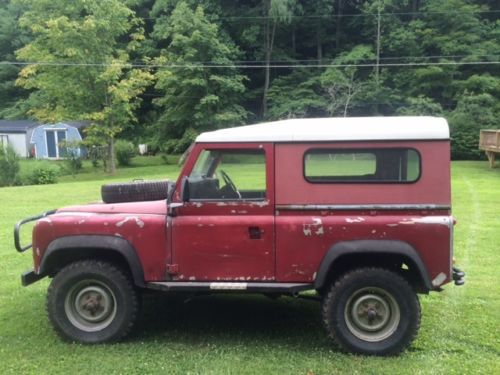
column 489, row 142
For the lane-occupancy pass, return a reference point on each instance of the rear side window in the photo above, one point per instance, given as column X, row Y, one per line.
column 381, row 165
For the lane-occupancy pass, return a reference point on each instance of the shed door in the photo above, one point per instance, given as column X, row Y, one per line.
column 54, row 138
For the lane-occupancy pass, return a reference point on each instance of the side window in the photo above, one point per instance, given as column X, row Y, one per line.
column 229, row 175
column 385, row 165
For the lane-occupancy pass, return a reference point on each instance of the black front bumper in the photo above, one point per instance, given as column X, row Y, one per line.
column 17, row 230
column 30, row 277
column 458, row 276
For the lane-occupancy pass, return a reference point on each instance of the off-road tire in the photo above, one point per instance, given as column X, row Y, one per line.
column 80, row 282
column 136, row 191
column 392, row 303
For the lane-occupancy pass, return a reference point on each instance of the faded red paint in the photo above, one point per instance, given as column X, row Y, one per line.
column 302, row 239
column 146, row 232
column 433, row 186
column 253, row 241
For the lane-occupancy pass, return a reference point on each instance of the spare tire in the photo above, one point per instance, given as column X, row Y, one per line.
column 136, row 191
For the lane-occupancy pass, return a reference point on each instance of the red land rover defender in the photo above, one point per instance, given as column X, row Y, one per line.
column 356, row 209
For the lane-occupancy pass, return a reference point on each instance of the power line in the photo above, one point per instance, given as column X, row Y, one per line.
column 321, row 16
column 246, row 66
column 314, row 61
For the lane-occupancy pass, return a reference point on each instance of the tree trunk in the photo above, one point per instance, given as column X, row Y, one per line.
column 377, row 68
column 319, row 46
column 414, row 8
column 111, row 156
column 340, row 6
column 269, row 49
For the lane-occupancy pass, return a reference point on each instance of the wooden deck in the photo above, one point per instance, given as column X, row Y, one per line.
column 489, row 142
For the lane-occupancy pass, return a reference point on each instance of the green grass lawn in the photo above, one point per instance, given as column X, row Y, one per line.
column 251, row 334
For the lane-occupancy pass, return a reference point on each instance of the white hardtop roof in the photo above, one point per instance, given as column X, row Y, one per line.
column 334, row 129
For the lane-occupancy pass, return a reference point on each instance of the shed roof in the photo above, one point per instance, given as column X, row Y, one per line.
column 16, row 126
column 22, row 126
column 334, row 129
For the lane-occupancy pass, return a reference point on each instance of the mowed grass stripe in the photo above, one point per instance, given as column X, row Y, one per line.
column 252, row 334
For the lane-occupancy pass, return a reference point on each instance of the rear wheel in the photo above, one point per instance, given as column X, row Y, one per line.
column 372, row 311
column 92, row 302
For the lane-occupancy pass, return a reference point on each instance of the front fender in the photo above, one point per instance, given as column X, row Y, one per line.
column 65, row 249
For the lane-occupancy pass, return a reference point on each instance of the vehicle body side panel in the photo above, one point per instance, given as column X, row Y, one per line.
column 212, row 239
column 304, row 237
column 433, row 187
column 146, row 233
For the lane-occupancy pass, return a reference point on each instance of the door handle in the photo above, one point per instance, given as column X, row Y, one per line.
column 254, row 233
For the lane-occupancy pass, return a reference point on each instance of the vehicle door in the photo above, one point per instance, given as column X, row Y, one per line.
column 224, row 229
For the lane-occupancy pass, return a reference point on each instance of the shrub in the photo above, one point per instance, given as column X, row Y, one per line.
column 124, row 152
column 96, row 154
column 473, row 112
column 43, row 176
column 72, row 157
column 9, row 166
column 178, row 146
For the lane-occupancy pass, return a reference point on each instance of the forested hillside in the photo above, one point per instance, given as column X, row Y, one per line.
column 162, row 71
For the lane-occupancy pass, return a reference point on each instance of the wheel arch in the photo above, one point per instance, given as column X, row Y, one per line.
column 65, row 250
column 346, row 255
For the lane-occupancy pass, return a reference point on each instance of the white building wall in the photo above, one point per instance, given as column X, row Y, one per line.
column 18, row 142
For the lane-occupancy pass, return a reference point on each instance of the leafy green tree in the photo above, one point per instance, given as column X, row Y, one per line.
column 275, row 11
column 9, row 165
column 11, row 38
column 299, row 94
column 344, row 81
column 193, row 93
column 473, row 112
column 84, row 48
column 420, row 106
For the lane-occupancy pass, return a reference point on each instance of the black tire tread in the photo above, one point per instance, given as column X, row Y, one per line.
column 111, row 271
column 332, row 294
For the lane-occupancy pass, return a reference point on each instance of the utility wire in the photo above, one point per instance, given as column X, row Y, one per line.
column 314, row 61
column 246, row 66
column 320, row 16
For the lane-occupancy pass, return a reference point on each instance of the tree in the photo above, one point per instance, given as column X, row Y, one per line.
column 299, row 94
column 345, row 82
column 420, row 106
column 473, row 112
column 84, row 49
column 11, row 38
column 274, row 11
column 194, row 94
column 9, row 165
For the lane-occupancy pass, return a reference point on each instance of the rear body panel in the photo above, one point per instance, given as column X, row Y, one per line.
column 304, row 237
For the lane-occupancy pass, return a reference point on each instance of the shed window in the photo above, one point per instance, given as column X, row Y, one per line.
column 382, row 165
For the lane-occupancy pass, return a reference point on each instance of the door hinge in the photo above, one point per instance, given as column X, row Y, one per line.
column 172, row 269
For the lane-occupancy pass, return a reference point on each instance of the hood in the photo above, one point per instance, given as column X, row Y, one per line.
column 149, row 207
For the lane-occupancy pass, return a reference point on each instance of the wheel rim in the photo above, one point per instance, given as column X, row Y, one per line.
column 90, row 305
column 372, row 314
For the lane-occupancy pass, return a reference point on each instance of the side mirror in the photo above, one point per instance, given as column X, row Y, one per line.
column 185, row 189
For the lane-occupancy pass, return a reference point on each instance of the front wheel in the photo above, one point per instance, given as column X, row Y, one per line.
column 92, row 302
column 372, row 311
